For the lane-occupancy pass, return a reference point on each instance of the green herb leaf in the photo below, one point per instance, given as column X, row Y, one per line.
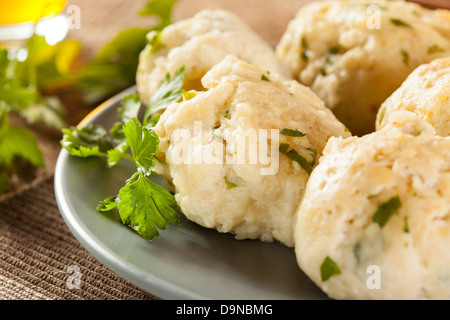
column 313, row 153
column 435, row 49
column 400, row 23
column 161, row 9
column 305, row 49
column 89, row 141
column 328, row 269
column 143, row 143
column 382, row 114
column 264, row 78
column 153, row 121
column 115, row 66
column 131, row 104
column 154, row 41
column 330, row 54
column 405, row 224
column 18, row 142
column 405, row 57
column 229, row 184
column 169, row 91
column 114, row 155
column 292, row 133
column 146, row 206
column 386, row 210
column 188, row 95
column 108, row 204
column 294, row 156
column 46, row 110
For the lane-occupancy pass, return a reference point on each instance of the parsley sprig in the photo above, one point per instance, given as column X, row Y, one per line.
column 22, row 95
column 143, row 205
column 114, row 67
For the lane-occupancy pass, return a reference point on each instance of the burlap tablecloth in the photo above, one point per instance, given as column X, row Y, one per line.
column 37, row 249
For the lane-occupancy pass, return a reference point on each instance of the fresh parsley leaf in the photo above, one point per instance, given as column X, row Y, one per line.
column 292, row 133
column 18, row 142
column 356, row 251
column 229, row 184
column 169, row 91
column 305, row 50
column 330, row 54
column 161, row 9
column 153, row 121
column 435, row 49
column 89, row 141
column 48, row 110
column 328, row 269
column 405, row 224
column 155, row 42
column 114, row 155
column 115, row 66
column 108, row 204
column 294, row 156
column 313, row 153
column 143, row 143
column 188, row 95
column 146, row 206
column 382, row 114
column 131, row 104
column 386, row 210
column 405, row 57
column 346, row 129
column 400, row 23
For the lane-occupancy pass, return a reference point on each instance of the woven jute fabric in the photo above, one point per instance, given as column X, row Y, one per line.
column 38, row 255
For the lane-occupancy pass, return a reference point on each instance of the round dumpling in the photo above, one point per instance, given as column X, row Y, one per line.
column 354, row 54
column 198, row 43
column 239, row 154
column 375, row 218
column 426, row 92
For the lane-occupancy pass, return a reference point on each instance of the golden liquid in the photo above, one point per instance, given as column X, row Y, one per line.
column 19, row 11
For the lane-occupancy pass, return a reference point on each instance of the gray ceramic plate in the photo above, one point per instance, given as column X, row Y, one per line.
column 187, row 261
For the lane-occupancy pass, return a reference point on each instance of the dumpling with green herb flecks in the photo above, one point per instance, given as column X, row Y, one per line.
column 426, row 92
column 198, row 43
column 374, row 222
column 355, row 53
column 239, row 154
